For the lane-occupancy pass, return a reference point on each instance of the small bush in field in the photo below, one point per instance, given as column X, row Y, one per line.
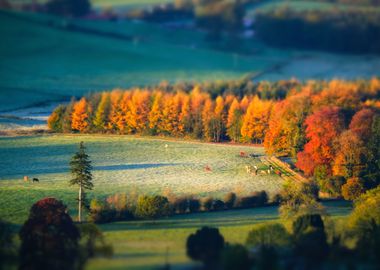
column 194, row 205
column 235, row 257
column 207, row 204
column 218, row 205
column 180, row 205
column 152, row 207
column 229, row 200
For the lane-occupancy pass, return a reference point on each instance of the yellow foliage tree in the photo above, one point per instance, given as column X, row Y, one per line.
column 234, row 121
column 155, row 114
column 256, row 120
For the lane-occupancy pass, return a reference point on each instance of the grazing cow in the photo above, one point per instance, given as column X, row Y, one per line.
column 26, row 179
column 243, row 154
column 208, row 168
column 166, row 146
column 36, row 180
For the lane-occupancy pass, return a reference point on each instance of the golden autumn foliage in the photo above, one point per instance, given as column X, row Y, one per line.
column 256, row 120
column 80, row 116
column 234, row 121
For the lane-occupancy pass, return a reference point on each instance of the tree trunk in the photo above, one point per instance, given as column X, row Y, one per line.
column 80, row 205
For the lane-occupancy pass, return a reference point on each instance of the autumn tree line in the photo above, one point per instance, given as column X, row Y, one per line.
column 331, row 128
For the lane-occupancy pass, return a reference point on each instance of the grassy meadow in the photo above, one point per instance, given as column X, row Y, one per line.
column 139, row 165
column 123, row 164
column 41, row 63
column 144, row 244
column 43, row 60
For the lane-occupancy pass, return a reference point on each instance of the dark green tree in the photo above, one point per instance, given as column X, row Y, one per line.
column 374, row 161
column 309, row 232
column 80, row 165
column 74, row 8
column 206, row 246
column 235, row 257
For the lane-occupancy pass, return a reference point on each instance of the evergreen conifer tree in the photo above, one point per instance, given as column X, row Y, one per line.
column 80, row 166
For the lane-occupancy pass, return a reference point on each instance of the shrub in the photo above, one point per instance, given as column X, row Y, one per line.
column 218, row 205
column 92, row 242
column 206, row 246
column 229, row 200
column 235, row 257
column 309, row 232
column 276, row 198
column 152, row 207
column 352, row 189
column 270, row 236
column 194, row 205
column 303, row 223
column 366, row 211
column 263, row 198
column 245, row 202
column 103, row 212
column 207, row 204
column 256, row 199
column 297, row 201
column 180, row 205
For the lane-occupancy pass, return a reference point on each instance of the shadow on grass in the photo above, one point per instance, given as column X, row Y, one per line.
column 134, row 166
column 218, row 219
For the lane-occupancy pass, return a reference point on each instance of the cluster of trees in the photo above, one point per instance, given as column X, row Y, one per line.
column 333, row 132
column 312, row 241
column 215, row 16
column 331, row 128
column 352, row 30
column 69, row 8
column 195, row 114
column 49, row 239
column 128, row 207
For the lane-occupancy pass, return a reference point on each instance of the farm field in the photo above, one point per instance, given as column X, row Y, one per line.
column 143, row 244
column 123, row 164
column 40, row 62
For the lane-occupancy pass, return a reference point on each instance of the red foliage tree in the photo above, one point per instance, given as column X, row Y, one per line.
column 322, row 128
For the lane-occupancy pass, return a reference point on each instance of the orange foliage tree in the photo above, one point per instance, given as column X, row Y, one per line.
column 80, row 116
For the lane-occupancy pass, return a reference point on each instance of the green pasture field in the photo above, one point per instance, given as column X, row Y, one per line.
column 139, row 165
column 144, row 244
column 123, row 164
column 40, row 63
column 128, row 4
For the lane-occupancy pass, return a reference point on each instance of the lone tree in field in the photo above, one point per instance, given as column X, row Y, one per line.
column 80, row 165
column 49, row 238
